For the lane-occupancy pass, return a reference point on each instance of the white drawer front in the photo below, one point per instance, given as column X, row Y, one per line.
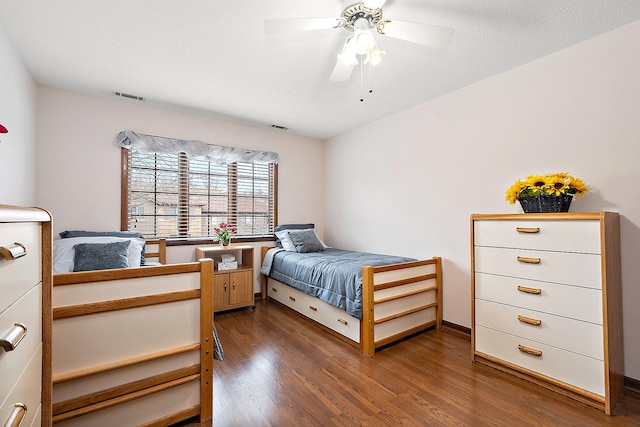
column 572, row 335
column 570, row 368
column 28, row 311
column 565, row 236
column 570, row 301
column 26, row 390
column 557, row 267
column 287, row 295
column 21, row 274
column 331, row 317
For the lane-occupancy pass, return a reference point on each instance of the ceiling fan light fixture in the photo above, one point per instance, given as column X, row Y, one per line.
column 375, row 56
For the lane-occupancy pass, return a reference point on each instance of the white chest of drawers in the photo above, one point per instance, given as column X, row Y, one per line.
column 546, row 291
column 25, row 316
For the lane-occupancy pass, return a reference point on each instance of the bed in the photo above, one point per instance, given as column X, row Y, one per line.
column 386, row 298
column 132, row 345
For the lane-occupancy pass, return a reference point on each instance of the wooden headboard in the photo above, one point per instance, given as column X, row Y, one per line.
column 156, row 250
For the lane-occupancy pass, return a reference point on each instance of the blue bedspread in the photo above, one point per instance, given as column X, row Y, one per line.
column 333, row 275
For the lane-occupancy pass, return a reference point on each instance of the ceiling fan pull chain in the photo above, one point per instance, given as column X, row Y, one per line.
column 370, row 77
column 361, row 82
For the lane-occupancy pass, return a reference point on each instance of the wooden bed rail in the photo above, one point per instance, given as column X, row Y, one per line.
column 131, row 293
column 372, row 283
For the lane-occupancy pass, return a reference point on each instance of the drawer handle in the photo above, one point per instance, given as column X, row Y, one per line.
column 17, row 415
column 292, row 298
column 14, row 251
column 313, row 307
column 274, row 289
column 527, row 260
column 531, row 230
column 344, row 322
column 11, row 340
column 529, row 320
column 527, row 290
column 529, row 350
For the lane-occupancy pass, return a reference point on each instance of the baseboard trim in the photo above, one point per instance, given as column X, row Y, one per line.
column 632, row 384
column 457, row 330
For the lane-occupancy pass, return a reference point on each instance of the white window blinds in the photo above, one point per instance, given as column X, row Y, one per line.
column 175, row 196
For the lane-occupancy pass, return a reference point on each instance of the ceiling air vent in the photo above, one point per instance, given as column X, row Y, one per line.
column 127, row 95
column 279, row 127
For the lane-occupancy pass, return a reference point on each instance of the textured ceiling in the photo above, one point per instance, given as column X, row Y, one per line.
column 213, row 58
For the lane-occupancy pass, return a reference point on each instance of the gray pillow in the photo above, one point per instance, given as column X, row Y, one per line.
column 84, row 233
column 290, row 227
column 101, row 256
column 305, row 241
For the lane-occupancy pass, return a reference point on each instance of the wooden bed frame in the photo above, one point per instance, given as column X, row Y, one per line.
column 134, row 346
column 398, row 300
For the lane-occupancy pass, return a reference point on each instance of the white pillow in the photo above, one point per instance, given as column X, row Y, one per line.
column 288, row 245
column 63, row 251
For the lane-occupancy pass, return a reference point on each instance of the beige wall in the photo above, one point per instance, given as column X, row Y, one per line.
column 18, row 115
column 417, row 176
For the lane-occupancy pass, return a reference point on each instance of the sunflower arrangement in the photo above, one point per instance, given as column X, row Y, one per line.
column 558, row 184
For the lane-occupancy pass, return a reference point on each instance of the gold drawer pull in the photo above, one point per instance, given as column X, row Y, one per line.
column 274, row 289
column 313, row 307
column 527, row 290
column 529, row 350
column 292, row 298
column 344, row 322
column 17, row 415
column 14, row 251
column 12, row 338
column 527, row 229
column 529, row 320
column 527, row 260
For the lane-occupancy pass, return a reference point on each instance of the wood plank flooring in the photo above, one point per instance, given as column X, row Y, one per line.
column 279, row 370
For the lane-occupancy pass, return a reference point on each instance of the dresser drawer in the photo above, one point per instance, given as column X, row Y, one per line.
column 20, row 274
column 28, row 311
column 565, row 236
column 287, row 295
column 25, row 390
column 558, row 267
column 331, row 317
column 569, row 301
column 569, row 334
column 571, row 368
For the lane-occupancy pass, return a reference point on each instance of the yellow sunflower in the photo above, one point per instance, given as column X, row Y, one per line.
column 558, row 184
column 513, row 191
column 578, row 185
column 538, row 184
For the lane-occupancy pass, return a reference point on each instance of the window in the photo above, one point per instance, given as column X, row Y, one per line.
column 173, row 196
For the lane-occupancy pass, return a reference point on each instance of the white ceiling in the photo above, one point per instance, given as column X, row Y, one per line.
column 212, row 57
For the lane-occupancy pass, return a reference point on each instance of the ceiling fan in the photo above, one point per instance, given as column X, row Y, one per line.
column 362, row 19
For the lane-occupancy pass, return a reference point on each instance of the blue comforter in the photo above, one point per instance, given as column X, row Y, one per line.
column 333, row 275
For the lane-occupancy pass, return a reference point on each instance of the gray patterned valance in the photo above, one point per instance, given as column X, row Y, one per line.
column 218, row 154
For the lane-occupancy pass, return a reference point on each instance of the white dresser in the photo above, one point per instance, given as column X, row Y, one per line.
column 546, row 291
column 25, row 316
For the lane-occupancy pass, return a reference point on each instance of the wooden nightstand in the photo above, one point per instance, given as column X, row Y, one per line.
column 231, row 288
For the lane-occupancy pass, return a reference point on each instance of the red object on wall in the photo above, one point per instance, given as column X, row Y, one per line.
column 3, row 129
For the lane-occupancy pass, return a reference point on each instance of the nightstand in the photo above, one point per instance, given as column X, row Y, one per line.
column 231, row 288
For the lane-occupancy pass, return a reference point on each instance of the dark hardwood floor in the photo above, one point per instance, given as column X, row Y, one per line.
column 279, row 370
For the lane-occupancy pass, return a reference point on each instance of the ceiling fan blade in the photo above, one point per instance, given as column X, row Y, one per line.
column 287, row 25
column 428, row 35
column 374, row 4
column 341, row 72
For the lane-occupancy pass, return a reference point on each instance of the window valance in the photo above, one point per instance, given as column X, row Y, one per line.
column 217, row 154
